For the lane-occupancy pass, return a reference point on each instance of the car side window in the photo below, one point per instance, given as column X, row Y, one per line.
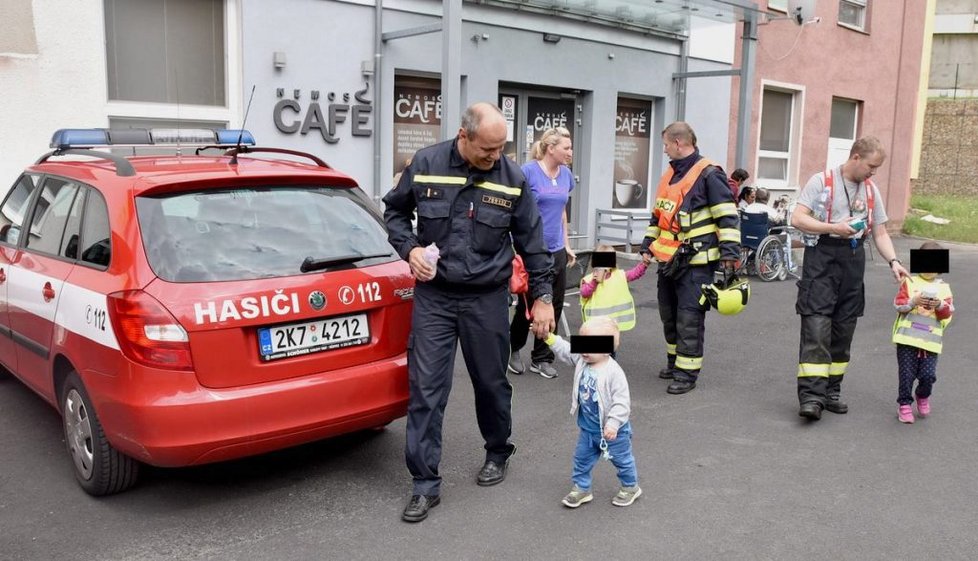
column 69, row 242
column 96, row 236
column 50, row 216
column 14, row 207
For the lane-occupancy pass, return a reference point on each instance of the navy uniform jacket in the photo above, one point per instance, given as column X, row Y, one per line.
column 469, row 214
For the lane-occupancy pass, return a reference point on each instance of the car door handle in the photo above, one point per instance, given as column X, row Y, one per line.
column 48, row 292
column 3, row 276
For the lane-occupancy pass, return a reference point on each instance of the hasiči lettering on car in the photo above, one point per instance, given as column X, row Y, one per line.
column 249, row 307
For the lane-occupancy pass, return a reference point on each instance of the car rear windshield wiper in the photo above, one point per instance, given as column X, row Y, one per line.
column 311, row 264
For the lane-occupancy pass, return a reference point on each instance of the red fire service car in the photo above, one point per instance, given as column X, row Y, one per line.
column 193, row 308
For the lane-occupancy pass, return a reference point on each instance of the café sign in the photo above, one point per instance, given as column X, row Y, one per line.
column 323, row 111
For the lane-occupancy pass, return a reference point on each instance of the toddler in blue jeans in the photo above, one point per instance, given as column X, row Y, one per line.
column 600, row 401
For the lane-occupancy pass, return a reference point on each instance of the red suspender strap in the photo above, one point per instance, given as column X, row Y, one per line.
column 870, row 200
column 830, row 185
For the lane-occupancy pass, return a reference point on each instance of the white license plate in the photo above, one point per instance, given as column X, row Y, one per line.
column 297, row 339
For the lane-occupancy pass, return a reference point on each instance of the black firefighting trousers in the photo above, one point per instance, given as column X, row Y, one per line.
column 831, row 297
column 440, row 322
column 684, row 318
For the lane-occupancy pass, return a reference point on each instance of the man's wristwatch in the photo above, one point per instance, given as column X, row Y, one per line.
column 890, row 262
column 547, row 299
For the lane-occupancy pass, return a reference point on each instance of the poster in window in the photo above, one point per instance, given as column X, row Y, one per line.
column 417, row 118
column 547, row 113
column 632, row 143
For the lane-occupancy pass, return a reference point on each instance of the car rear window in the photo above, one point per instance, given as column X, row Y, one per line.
column 253, row 233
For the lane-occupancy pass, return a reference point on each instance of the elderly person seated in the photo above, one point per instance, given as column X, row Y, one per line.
column 760, row 205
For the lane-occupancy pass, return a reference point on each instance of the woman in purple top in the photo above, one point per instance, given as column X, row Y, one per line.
column 551, row 182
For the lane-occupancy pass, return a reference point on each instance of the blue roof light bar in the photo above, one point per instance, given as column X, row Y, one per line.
column 73, row 138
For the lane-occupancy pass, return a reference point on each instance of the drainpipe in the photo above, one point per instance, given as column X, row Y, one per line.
column 378, row 74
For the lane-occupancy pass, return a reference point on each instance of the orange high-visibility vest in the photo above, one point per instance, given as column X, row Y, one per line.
column 668, row 200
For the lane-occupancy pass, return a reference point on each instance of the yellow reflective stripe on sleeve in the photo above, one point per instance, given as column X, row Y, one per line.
column 723, row 209
column 811, row 370
column 701, row 215
column 704, row 257
column 670, row 349
column 689, row 362
column 443, row 179
column 498, row 188
column 838, row 368
column 729, row 235
column 701, row 231
column 652, row 232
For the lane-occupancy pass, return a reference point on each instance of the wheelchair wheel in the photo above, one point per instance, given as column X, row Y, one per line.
column 770, row 259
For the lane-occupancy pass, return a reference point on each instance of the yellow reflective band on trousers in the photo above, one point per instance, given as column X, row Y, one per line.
column 811, row 370
column 838, row 368
column 689, row 362
column 670, row 349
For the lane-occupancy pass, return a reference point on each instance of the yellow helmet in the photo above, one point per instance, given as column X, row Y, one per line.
column 728, row 293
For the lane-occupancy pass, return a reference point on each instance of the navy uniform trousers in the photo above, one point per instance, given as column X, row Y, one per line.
column 831, row 298
column 441, row 320
column 684, row 318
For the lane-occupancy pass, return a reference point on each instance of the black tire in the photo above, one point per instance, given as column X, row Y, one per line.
column 770, row 259
column 99, row 468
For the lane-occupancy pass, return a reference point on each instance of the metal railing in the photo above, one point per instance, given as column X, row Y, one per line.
column 620, row 232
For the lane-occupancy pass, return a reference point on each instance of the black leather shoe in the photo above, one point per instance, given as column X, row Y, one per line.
column 810, row 410
column 680, row 386
column 492, row 473
column 836, row 406
column 666, row 373
column 417, row 508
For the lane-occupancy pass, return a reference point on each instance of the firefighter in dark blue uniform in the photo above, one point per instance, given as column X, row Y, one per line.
column 475, row 207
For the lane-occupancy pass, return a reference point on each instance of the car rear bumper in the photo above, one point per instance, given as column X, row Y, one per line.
column 167, row 419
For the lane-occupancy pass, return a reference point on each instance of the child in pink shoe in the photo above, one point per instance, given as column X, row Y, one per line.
column 924, row 307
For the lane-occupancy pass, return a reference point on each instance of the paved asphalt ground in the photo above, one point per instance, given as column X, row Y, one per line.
column 729, row 471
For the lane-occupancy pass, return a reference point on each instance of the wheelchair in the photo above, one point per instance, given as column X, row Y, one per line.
column 765, row 250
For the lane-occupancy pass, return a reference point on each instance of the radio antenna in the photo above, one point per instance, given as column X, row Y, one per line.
column 237, row 147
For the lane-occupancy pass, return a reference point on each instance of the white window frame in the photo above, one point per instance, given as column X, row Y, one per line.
column 862, row 6
column 838, row 147
column 778, row 5
column 233, row 72
column 792, row 156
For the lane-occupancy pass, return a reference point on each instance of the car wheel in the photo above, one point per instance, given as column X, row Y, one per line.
column 99, row 468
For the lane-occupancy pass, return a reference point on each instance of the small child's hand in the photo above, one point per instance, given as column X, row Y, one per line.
column 610, row 433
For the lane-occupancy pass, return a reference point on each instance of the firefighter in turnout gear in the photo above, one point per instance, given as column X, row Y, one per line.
column 835, row 210
column 475, row 207
column 694, row 227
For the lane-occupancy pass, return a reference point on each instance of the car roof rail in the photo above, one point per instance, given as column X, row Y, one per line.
column 250, row 149
column 122, row 166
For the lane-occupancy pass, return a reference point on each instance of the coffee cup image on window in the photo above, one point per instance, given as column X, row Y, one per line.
column 628, row 191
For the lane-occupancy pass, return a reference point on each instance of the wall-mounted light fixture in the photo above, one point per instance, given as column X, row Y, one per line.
column 278, row 60
column 551, row 38
column 480, row 37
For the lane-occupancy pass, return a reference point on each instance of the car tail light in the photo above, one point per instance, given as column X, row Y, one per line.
column 147, row 332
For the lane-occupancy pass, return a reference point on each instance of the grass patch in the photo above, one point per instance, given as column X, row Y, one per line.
column 961, row 211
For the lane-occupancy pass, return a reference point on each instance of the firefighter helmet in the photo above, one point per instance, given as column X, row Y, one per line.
column 728, row 293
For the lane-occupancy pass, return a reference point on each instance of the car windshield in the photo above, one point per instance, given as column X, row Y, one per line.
column 265, row 232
